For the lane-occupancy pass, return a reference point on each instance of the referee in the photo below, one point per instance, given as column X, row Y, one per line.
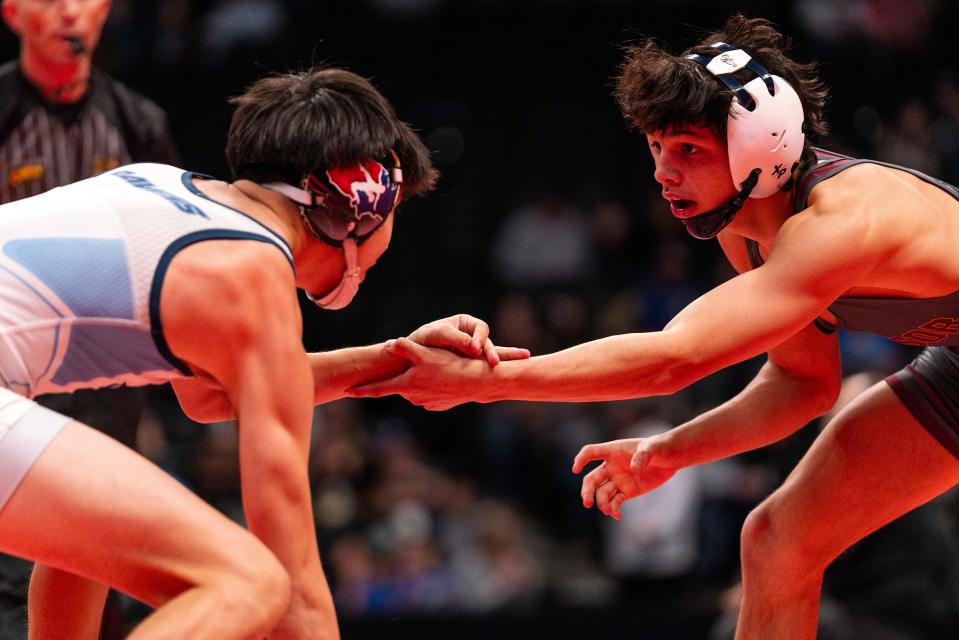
column 62, row 120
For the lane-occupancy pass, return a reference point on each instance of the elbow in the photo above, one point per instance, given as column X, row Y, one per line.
column 203, row 418
column 676, row 372
column 203, row 404
column 207, row 413
column 815, row 397
column 825, row 397
column 828, row 400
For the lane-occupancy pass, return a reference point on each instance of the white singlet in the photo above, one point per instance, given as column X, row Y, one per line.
column 81, row 271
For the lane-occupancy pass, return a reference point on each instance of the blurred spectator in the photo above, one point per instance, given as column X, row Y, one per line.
column 499, row 569
column 945, row 128
column 669, row 284
column 175, row 32
column 657, row 536
column 612, row 227
column 233, row 24
column 897, row 24
column 544, row 244
column 908, row 141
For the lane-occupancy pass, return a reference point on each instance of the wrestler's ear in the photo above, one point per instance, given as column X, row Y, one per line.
column 11, row 15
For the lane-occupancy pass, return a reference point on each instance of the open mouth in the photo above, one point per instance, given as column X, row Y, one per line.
column 681, row 208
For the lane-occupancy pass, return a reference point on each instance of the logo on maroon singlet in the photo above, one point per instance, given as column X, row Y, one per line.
column 935, row 330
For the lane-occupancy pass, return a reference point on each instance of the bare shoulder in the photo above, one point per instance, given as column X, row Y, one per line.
column 868, row 226
column 855, row 211
column 226, row 292
column 855, row 189
column 228, row 270
column 880, row 194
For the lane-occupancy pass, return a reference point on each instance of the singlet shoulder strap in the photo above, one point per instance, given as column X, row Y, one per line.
column 752, row 249
column 827, row 164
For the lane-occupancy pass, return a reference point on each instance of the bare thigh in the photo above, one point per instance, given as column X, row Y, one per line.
column 871, row 464
column 92, row 507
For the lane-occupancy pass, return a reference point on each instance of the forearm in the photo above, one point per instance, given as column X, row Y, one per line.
column 279, row 511
column 336, row 371
column 773, row 406
column 623, row 366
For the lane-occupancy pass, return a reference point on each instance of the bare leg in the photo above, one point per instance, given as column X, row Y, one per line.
column 96, row 509
column 870, row 465
column 64, row 605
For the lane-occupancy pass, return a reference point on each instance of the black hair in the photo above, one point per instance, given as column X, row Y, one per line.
column 290, row 124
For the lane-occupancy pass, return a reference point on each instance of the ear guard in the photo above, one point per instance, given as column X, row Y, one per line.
column 764, row 127
column 348, row 201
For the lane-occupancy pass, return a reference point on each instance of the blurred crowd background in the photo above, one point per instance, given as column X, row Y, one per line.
column 548, row 224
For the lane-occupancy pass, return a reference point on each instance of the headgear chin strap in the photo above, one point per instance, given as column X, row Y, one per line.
column 764, row 136
column 349, row 284
column 706, row 226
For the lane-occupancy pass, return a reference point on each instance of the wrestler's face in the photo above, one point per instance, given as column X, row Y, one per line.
column 325, row 268
column 375, row 246
column 692, row 166
column 46, row 27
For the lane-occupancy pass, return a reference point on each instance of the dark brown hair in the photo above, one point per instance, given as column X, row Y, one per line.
column 658, row 91
column 289, row 124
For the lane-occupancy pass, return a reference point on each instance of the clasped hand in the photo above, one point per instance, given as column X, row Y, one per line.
column 446, row 358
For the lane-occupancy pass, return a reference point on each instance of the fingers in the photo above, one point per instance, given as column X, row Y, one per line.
column 592, row 481
column 446, row 336
column 588, row 453
column 511, row 353
column 478, row 330
column 492, row 357
column 467, row 335
column 379, row 389
column 406, row 349
column 603, row 496
column 616, row 504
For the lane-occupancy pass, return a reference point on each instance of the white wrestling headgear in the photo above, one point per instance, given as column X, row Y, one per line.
column 764, row 128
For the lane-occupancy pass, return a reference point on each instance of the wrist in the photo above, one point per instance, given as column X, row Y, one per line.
column 305, row 597
column 387, row 361
column 670, row 446
column 494, row 384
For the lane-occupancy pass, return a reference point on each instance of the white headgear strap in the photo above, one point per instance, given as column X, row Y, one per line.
column 349, row 284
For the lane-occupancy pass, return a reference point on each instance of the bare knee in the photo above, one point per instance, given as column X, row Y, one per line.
column 773, row 547
column 257, row 586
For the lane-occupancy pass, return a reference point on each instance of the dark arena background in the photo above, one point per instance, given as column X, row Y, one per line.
column 547, row 223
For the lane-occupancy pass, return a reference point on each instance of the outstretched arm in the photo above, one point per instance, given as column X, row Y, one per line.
column 748, row 315
column 334, row 372
column 740, row 319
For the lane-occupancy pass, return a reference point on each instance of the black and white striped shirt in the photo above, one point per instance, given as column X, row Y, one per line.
column 44, row 145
